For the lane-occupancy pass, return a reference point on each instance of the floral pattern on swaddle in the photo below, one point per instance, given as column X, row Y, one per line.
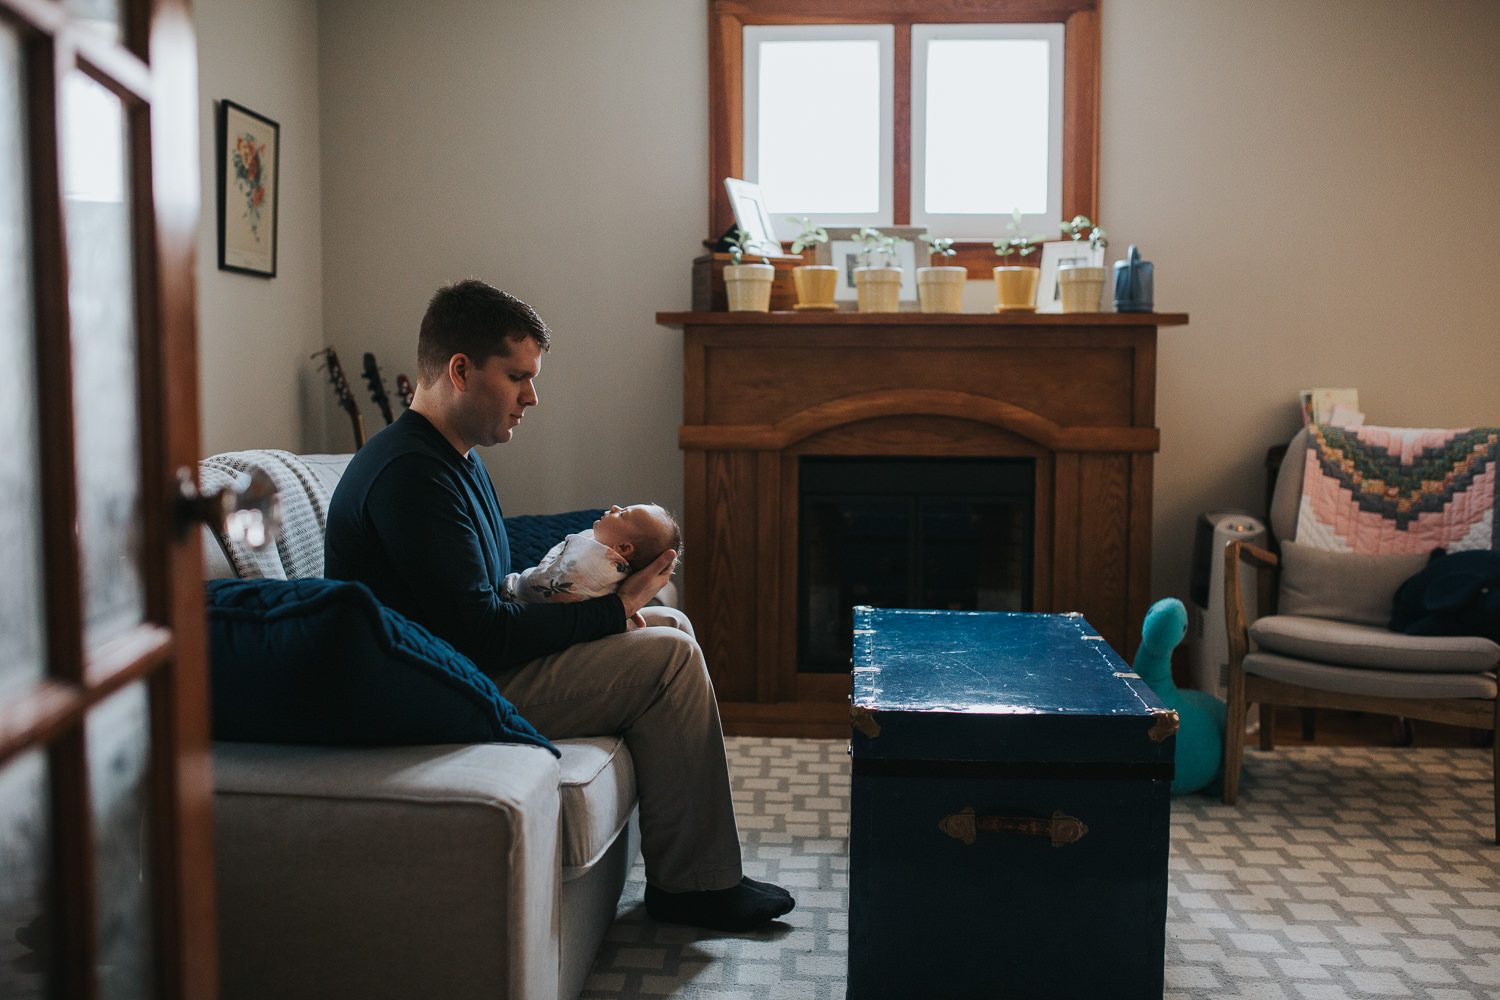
column 575, row 569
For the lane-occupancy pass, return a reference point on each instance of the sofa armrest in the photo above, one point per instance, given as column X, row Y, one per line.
column 387, row 872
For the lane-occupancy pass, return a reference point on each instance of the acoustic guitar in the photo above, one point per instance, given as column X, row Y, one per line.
column 342, row 393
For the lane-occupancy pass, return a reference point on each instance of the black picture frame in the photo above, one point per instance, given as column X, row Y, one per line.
column 249, row 190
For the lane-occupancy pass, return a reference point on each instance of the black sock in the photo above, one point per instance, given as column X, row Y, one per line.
column 741, row 907
column 774, row 890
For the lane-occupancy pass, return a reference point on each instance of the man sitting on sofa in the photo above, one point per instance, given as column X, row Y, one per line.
column 415, row 517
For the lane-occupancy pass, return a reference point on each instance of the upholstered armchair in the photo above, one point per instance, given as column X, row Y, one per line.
column 1328, row 644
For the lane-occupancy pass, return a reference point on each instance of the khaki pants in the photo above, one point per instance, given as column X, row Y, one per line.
column 651, row 686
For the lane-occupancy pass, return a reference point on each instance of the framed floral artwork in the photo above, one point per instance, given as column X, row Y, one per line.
column 249, row 151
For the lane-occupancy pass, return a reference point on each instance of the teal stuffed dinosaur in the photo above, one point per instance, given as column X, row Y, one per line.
column 1200, row 730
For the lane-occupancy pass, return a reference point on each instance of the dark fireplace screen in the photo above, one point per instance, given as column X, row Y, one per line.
column 948, row 533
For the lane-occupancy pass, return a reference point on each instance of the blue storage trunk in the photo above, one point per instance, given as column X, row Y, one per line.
column 1009, row 810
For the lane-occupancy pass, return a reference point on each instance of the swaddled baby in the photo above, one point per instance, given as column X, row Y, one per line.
column 595, row 561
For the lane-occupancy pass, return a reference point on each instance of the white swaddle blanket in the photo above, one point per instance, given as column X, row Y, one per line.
column 576, row 568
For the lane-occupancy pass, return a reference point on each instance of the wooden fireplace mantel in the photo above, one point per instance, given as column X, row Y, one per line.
column 1076, row 392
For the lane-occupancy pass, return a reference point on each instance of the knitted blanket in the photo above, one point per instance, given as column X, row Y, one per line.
column 1399, row 489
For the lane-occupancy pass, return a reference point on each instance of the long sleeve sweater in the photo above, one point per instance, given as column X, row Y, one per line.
column 420, row 525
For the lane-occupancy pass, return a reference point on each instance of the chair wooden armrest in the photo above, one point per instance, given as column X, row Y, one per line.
column 1238, row 635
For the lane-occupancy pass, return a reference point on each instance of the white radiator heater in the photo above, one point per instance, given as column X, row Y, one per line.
column 1209, row 647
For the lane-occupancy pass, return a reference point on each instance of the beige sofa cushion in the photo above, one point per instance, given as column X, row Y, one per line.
column 1373, row 648
column 1347, row 586
column 1360, row 680
column 597, row 794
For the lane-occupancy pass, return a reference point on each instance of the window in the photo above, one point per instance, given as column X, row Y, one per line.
column 884, row 112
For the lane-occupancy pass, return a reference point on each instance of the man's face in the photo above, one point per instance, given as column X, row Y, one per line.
column 501, row 389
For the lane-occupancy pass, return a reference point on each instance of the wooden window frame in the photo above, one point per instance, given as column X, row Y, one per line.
column 726, row 72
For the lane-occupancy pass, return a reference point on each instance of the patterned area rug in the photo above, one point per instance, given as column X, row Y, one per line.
column 1343, row 873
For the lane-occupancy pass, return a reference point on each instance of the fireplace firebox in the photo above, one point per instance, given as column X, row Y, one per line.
column 907, row 532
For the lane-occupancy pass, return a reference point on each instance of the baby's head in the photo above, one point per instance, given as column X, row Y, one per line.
column 640, row 533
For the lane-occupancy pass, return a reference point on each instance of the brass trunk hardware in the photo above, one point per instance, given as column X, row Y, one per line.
column 1165, row 725
column 864, row 720
column 966, row 826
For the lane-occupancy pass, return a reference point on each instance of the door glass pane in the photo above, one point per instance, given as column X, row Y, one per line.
column 25, row 857
column 101, row 304
column 988, row 106
column 118, row 735
column 818, row 126
column 101, row 15
column 21, row 624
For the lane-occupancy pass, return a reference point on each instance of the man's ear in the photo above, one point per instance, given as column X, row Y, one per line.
column 458, row 371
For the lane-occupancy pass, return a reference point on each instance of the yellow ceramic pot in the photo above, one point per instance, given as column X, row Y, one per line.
column 941, row 289
column 1015, row 287
column 748, row 287
column 815, row 284
column 1080, row 288
column 879, row 289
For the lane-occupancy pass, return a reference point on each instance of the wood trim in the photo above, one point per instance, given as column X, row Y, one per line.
column 871, row 405
column 727, row 19
column 813, row 719
column 1081, row 114
column 901, row 128
column 767, row 576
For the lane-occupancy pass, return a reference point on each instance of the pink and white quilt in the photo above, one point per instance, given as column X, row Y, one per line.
column 1399, row 489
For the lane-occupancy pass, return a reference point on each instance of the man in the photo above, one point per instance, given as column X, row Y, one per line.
column 415, row 517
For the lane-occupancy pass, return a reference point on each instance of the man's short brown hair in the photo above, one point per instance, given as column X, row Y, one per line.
column 477, row 320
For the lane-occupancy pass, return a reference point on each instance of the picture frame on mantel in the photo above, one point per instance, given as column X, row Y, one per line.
column 842, row 251
column 248, row 190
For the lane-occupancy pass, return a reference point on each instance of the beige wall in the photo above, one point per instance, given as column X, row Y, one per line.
column 259, row 389
column 1269, row 157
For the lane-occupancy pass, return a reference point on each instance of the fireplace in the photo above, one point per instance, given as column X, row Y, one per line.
column 907, row 532
column 781, row 411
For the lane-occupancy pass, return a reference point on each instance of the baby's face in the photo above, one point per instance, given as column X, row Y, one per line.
column 641, row 526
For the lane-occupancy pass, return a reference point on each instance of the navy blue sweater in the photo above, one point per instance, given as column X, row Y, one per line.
column 421, row 526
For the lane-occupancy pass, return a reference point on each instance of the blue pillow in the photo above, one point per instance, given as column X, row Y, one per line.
column 322, row 662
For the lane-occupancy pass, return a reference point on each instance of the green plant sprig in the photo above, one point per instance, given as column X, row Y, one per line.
column 809, row 235
column 743, row 244
column 873, row 241
column 1080, row 224
column 941, row 246
column 1022, row 243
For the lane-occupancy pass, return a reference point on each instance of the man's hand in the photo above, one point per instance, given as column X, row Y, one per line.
column 639, row 587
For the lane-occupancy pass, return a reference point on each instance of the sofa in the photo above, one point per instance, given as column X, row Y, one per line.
column 458, row 871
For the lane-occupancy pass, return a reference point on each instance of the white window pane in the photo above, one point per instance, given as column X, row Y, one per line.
column 819, row 126
column 988, row 108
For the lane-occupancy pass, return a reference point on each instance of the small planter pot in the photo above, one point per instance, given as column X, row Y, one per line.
column 748, row 287
column 1080, row 288
column 941, row 289
column 815, row 285
column 879, row 289
column 1015, row 287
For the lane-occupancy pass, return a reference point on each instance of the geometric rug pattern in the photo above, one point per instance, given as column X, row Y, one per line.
column 1342, row 873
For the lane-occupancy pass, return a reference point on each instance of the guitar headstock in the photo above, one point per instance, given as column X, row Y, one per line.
column 404, row 386
column 377, row 386
column 341, row 392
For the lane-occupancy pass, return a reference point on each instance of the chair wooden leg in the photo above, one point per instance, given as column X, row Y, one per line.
column 1267, row 726
column 1234, row 736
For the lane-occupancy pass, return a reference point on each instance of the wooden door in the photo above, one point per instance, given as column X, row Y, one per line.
column 105, row 851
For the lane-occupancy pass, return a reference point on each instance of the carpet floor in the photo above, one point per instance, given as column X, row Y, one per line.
column 1342, row 873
